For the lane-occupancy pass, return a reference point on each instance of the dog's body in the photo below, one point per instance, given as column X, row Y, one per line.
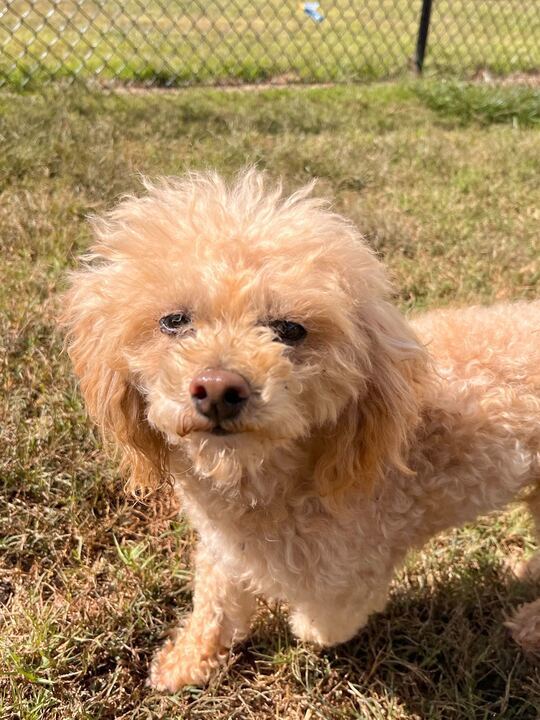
column 357, row 440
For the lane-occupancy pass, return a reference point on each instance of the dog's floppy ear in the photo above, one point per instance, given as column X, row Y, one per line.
column 111, row 395
column 371, row 435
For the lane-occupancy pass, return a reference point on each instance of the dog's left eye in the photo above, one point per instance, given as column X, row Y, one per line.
column 175, row 323
column 288, row 332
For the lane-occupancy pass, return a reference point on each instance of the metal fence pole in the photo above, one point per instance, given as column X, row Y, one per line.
column 423, row 30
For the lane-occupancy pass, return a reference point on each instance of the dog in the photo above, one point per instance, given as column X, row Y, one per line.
column 243, row 344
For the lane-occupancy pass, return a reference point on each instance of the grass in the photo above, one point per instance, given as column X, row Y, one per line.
column 481, row 104
column 447, row 191
column 184, row 41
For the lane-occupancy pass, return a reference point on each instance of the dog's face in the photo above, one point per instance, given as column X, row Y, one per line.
column 242, row 340
column 228, row 321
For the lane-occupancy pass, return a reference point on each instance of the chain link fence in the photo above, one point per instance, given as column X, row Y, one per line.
column 186, row 42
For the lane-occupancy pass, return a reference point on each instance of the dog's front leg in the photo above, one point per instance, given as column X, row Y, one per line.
column 331, row 621
column 222, row 610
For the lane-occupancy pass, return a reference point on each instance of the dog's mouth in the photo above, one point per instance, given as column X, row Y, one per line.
column 220, row 431
column 212, row 429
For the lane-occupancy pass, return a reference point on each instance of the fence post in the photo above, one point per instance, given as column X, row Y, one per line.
column 423, row 30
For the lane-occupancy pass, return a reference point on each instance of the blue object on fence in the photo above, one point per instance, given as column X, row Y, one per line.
column 312, row 10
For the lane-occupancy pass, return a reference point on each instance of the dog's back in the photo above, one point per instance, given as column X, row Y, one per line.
column 492, row 354
column 501, row 340
column 481, row 430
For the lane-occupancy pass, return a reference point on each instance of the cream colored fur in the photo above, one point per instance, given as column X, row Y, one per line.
column 361, row 442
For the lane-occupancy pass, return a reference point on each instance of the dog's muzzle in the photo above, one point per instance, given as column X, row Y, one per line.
column 218, row 394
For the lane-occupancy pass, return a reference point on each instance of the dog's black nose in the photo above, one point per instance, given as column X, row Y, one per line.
column 219, row 394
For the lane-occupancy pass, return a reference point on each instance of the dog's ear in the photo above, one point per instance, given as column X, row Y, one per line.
column 372, row 434
column 111, row 395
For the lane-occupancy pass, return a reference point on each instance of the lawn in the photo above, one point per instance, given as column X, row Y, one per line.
column 185, row 41
column 444, row 181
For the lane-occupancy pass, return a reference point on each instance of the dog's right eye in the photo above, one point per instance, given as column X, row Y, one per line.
column 175, row 323
column 288, row 332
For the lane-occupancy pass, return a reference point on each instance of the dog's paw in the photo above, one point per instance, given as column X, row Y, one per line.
column 529, row 569
column 318, row 631
column 525, row 626
column 305, row 630
column 175, row 666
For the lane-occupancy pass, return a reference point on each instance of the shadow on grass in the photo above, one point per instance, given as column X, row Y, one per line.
column 436, row 652
column 440, row 650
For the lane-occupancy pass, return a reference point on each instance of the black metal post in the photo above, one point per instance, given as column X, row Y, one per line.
column 423, row 30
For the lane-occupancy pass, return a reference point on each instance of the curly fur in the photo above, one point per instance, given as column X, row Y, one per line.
column 359, row 443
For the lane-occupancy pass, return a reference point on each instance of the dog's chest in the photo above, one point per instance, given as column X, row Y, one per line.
column 286, row 549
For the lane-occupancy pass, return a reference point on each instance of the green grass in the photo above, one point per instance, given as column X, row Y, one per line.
column 447, row 191
column 481, row 104
column 181, row 41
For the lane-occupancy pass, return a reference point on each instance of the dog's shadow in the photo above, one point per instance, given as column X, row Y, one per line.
column 440, row 650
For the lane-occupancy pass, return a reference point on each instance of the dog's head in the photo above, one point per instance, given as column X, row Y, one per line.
column 228, row 321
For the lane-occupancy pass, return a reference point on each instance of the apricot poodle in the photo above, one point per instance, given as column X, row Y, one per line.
column 243, row 344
